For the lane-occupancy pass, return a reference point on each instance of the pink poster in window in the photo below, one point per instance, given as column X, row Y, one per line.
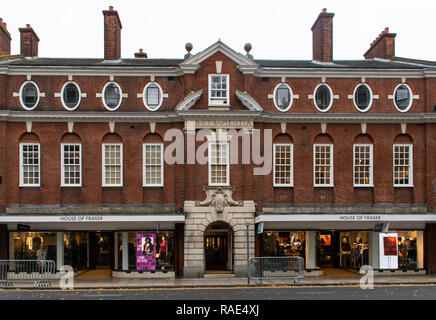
column 390, row 246
column 145, row 252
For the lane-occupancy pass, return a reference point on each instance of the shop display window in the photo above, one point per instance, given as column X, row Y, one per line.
column 163, row 250
column 354, row 249
column 407, row 250
column 34, row 245
column 284, row 243
column 75, row 249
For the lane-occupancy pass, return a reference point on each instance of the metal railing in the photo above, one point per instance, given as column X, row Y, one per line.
column 289, row 267
column 40, row 272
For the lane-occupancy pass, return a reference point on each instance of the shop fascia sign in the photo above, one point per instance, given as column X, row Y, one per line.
column 360, row 218
column 81, row 218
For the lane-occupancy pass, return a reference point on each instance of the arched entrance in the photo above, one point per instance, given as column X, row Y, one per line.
column 218, row 243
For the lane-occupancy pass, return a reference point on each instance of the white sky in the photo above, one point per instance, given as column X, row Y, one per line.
column 277, row 29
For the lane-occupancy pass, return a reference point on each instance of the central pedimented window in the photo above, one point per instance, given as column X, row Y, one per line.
column 219, row 90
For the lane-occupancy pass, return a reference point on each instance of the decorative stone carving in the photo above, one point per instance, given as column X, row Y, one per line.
column 219, row 198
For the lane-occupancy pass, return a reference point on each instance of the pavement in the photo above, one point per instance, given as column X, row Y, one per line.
column 332, row 278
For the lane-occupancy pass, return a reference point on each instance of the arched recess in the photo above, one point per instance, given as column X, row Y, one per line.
column 29, row 137
column 112, row 138
column 70, row 138
column 152, row 138
column 323, row 138
column 283, row 138
column 218, row 246
column 363, row 139
column 403, row 138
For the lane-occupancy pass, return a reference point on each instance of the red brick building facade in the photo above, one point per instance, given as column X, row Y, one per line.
column 84, row 160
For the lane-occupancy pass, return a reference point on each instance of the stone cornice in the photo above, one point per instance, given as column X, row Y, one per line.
column 184, row 115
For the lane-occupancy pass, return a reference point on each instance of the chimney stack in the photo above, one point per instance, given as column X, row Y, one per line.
column 383, row 47
column 5, row 39
column 141, row 54
column 322, row 37
column 29, row 41
column 112, row 34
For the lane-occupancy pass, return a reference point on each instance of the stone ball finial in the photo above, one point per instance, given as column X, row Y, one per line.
column 188, row 46
column 247, row 47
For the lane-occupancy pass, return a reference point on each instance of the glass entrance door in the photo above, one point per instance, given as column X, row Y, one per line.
column 216, row 250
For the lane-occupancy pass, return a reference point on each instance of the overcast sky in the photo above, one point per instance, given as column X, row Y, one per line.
column 277, row 29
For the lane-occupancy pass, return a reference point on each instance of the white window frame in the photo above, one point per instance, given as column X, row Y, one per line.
column 218, row 103
column 144, row 96
column 331, row 165
column 210, row 163
column 21, row 95
column 371, row 99
column 22, row 184
column 62, row 96
column 63, row 184
column 291, row 178
column 371, row 165
column 410, row 95
column 144, row 175
column 103, row 99
column 331, row 97
column 291, row 98
column 104, row 184
column 410, row 184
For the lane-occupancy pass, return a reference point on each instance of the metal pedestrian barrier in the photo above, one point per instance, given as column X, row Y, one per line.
column 289, row 267
column 40, row 272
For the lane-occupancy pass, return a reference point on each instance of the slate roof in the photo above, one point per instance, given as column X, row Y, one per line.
column 397, row 63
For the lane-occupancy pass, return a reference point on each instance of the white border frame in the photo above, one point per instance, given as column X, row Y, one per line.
column 371, row 100
column 209, row 156
column 161, row 164
column 21, row 184
column 410, row 95
column 371, row 169
column 291, row 100
column 62, row 96
column 331, row 97
column 291, row 183
column 144, row 96
column 410, row 166
column 215, row 104
column 62, row 165
column 21, row 95
column 331, row 164
column 102, row 96
column 103, row 175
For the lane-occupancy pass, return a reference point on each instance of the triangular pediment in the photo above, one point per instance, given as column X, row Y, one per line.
column 245, row 64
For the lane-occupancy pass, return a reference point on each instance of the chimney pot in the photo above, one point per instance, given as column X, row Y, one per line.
column 27, row 25
column 324, row 10
column 111, row 8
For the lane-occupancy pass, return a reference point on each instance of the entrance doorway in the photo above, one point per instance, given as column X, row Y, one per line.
column 218, row 246
column 101, row 250
column 328, row 249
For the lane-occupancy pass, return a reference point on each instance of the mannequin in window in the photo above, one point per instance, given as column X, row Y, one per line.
column 163, row 252
column 346, row 251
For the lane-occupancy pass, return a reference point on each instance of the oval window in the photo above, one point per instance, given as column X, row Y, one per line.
column 363, row 97
column 112, row 96
column 323, row 97
column 403, row 97
column 71, row 96
column 29, row 95
column 152, row 96
column 283, row 97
